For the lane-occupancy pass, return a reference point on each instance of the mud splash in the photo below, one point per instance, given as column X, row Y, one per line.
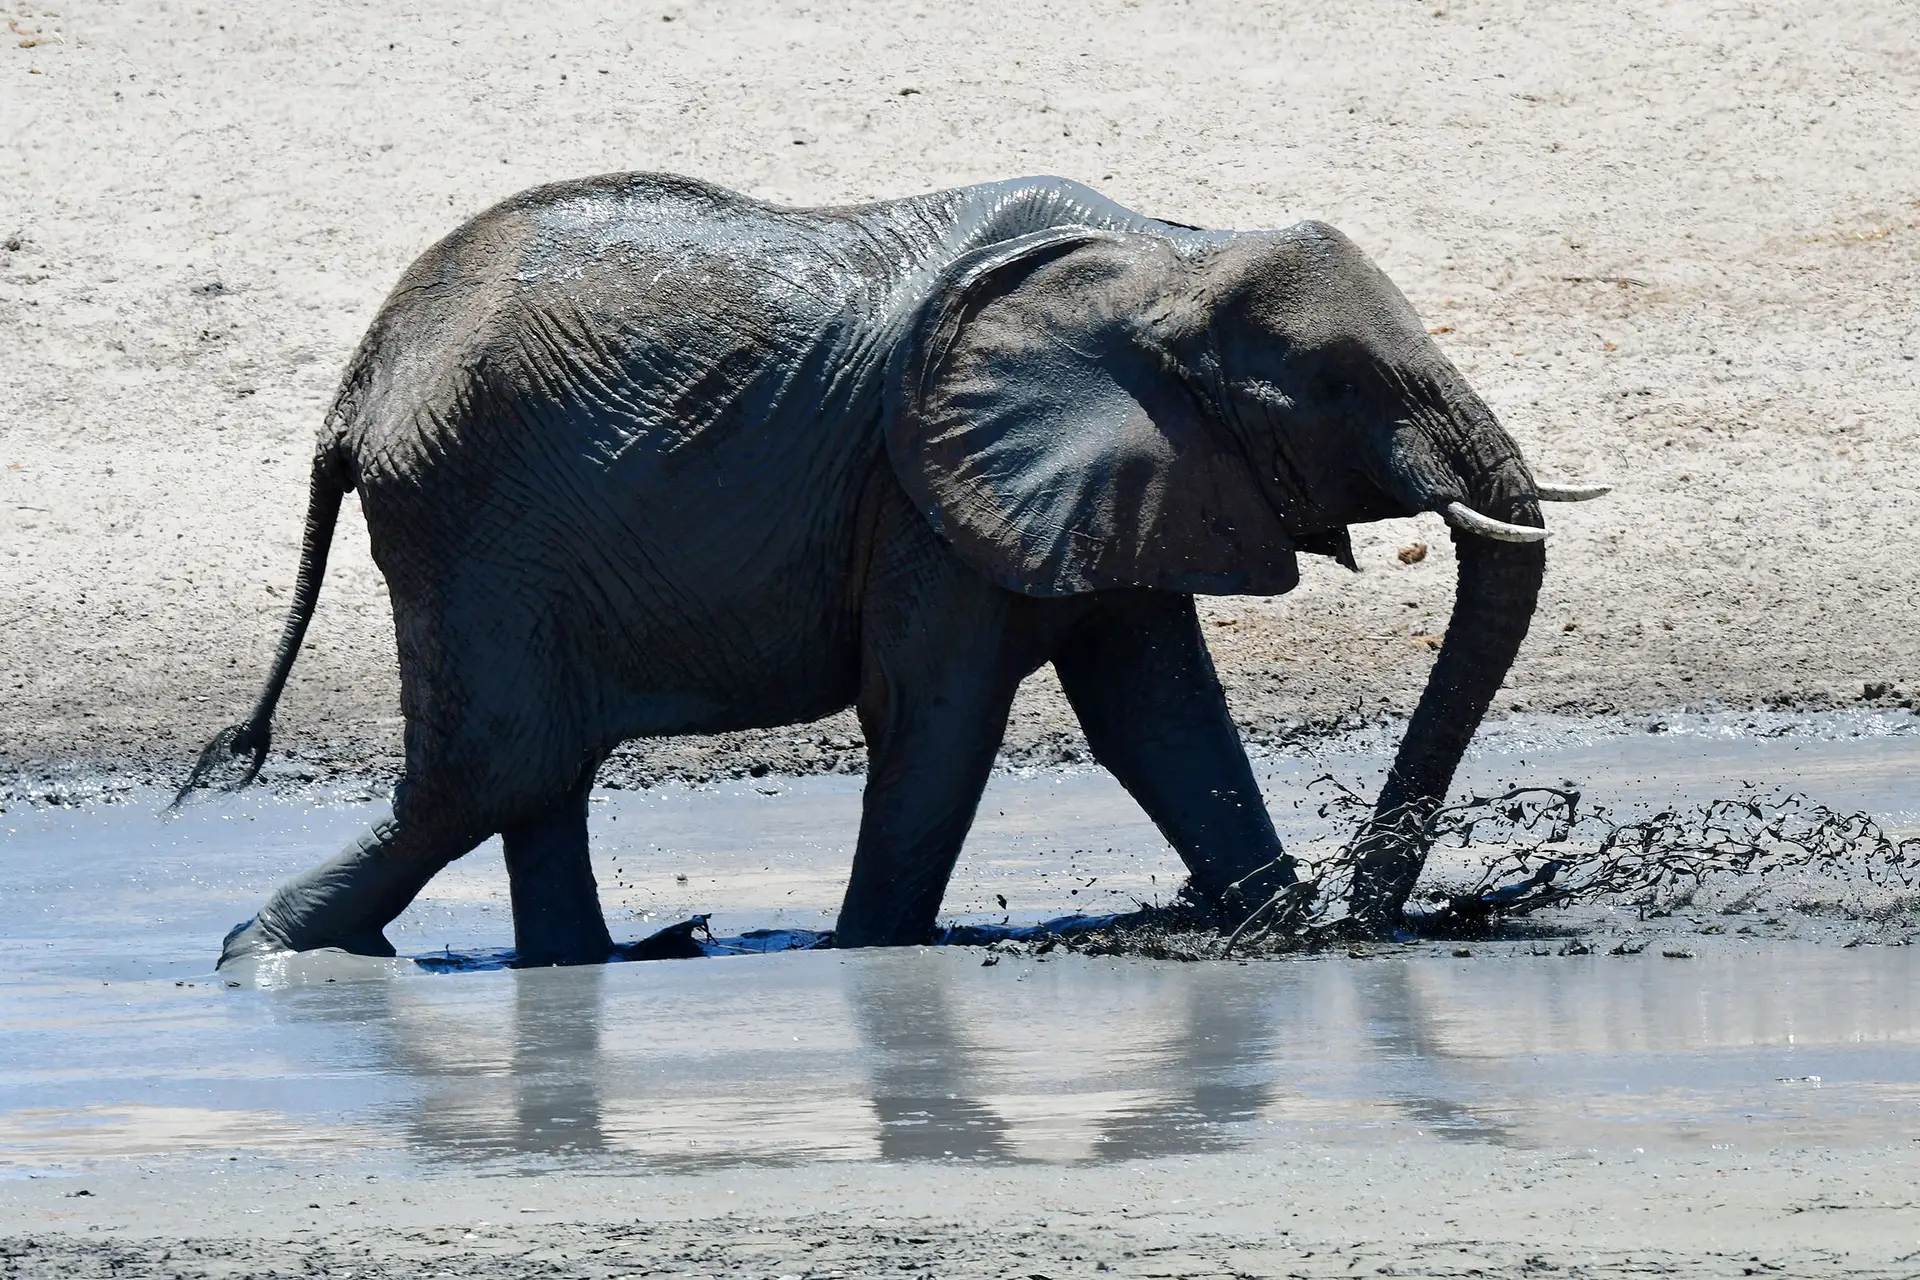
column 1552, row 852
column 1529, row 849
column 1513, row 854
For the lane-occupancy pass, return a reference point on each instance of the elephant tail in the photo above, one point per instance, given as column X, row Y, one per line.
column 253, row 737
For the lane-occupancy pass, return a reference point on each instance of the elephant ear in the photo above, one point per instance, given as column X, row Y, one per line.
column 1038, row 418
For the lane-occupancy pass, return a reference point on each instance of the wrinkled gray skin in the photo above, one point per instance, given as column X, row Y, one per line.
column 641, row 456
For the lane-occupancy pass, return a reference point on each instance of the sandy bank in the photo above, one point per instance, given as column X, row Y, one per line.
column 1329, row 1210
column 1673, row 247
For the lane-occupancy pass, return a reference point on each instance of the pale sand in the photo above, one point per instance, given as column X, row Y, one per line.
column 1752, row 168
column 1330, row 1210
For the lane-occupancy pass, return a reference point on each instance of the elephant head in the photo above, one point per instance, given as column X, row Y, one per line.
column 1078, row 410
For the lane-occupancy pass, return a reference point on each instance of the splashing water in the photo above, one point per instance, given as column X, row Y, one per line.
column 1532, row 848
column 1494, row 858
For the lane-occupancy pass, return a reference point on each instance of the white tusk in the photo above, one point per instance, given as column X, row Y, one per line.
column 1571, row 492
column 1462, row 516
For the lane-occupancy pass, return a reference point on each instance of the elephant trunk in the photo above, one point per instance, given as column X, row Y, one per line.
column 1472, row 461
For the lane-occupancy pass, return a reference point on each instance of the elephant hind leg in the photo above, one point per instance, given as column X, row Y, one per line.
column 556, row 902
column 459, row 789
column 348, row 901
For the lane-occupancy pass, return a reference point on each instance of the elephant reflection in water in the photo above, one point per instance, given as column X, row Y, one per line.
column 1403, row 1035
column 1202, row 1074
column 929, row 1079
column 556, row 1063
column 530, row 1087
column 924, row 1072
column 1199, row 1062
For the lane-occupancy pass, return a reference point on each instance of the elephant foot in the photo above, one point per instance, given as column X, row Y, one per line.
column 1373, row 928
column 257, row 938
column 545, row 941
column 545, row 958
column 249, row 940
column 851, row 931
column 372, row 943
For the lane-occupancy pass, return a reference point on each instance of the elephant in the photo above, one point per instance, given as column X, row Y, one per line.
column 641, row 456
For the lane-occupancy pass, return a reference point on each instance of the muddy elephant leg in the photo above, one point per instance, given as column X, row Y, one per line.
column 464, row 781
column 556, row 902
column 929, row 752
column 1139, row 678
column 942, row 652
column 349, row 901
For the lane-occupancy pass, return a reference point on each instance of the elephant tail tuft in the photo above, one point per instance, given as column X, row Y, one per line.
column 253, row 737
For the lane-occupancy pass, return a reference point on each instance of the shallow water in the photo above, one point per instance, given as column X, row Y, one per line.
column 119, row 1041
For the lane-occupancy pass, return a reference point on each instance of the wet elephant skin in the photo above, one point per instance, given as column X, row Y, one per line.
column 641, row 456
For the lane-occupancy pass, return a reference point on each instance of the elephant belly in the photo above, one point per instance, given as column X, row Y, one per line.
column 715, row 593
column 714, row 656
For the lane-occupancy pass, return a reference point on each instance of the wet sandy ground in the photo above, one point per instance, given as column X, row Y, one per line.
column 1506, row 1112
column 1320, row 1211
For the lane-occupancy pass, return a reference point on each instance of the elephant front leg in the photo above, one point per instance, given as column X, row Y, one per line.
column 930, row 748
column 1139, row 678
column 556, row 901
column 942, row 652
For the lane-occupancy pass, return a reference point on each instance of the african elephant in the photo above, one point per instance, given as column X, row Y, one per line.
column 642, row 456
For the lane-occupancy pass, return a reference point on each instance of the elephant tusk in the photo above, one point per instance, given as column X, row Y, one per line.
column 1571, row 492
column 1462, row 516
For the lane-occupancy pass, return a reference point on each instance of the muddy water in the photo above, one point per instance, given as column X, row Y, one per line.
column 119, row 1042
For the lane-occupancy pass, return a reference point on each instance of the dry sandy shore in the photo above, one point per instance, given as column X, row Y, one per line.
column 1330, row 1211
column 1676, row 246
